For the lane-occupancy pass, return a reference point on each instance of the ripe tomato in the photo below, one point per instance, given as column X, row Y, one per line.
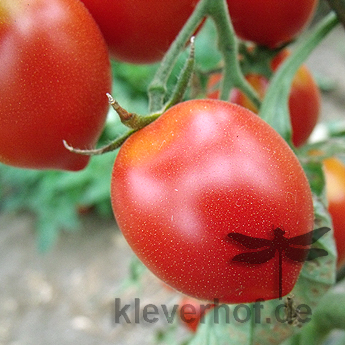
column 204, row 169
column 304, row 101
column 140, row 31
column 54, row 74
column 191, row 312
column 335, row 190
column 270, row 22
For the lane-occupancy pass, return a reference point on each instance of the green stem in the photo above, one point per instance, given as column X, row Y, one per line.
column 132, row 120
column 183, row 80
column 339, row 7
column 274, row 109
column 157, row 88
column 252, row 326
column 228, row 47
column 115, row 144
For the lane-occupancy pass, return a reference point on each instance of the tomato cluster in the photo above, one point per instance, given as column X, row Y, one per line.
column 141, row 31
column 203, row 170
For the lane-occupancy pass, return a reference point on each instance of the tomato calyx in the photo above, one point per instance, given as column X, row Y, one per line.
column 131, row 120
column 257, row 59
column 135, row 121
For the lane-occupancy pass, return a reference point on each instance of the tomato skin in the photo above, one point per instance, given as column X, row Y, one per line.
column 204, row 169
column 268, row 22
column 335, row 190
column 140, row 31
column 191, row 312
column 304, row 105
column 304, row 98
column 54, row 76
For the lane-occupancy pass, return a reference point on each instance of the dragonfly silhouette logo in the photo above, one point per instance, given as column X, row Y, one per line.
column 280, row 244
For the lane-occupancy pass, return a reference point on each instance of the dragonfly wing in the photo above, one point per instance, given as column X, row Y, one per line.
column 249, row 242
column 302, row 240
column 308, row 238
column 316, row 253
column 318, row 233
column 297, row 254
column 259, row 257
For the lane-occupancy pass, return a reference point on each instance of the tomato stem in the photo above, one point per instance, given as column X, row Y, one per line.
column 338, row 6
column 183, row 80
column 132, row 120
column 228, row 47
column 108, row 148
column 124, row 115
column 157, row 88
column 274, row 109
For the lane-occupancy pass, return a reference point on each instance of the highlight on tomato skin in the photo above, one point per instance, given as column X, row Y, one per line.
column 304, row 99
column 270, row 23
column 334, row 171
column 53, row 78
column 204, row 169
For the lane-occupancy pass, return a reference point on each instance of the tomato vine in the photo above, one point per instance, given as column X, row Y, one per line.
column 231, row 171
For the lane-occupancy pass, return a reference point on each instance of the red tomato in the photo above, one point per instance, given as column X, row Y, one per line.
column 140, row 31
column 335, row 189
column 204, row 169
column 191, row 312
column 54, row 74
column 304, row 101
column 270, row 22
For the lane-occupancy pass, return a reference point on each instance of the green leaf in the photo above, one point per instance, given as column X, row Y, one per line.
column 314, row 172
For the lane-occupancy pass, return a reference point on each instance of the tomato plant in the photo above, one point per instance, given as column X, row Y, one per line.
column 268, row 22
column 204, row 169
column 304, row 98
column 335, row 190
column 54, row 74
column 140, row 31
column 192, row 181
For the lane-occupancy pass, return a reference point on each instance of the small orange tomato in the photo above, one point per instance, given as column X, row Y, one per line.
column 335, row 189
